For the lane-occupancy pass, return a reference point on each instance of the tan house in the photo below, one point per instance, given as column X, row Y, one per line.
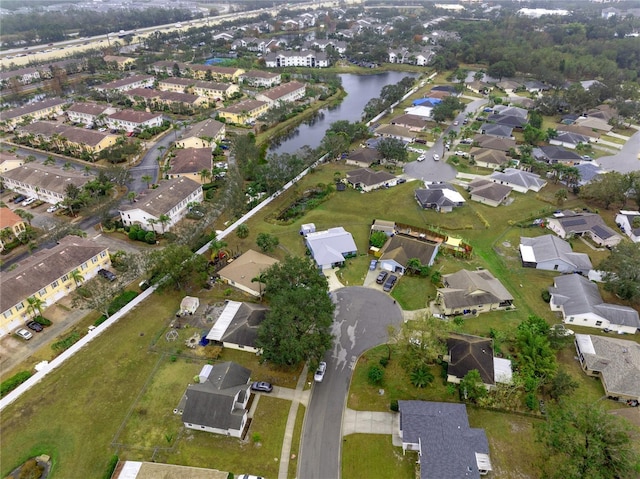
column 472, row 292
column 208, row 89
column 156, row 98
column 133, row 81
column 287, row 92
column 9, row 161
column 31, row 112
column 240, row 272
column 246, row 111
column 487, row 158
column 119, row 62
column 73, row 139
column 488, row 193
column 201, row 72
column 129, row 120
column 192, row 163
column 204, row 134
column 49, row 276
column 11, row 226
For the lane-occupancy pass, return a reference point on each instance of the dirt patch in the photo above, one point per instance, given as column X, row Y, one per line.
column 42, row 463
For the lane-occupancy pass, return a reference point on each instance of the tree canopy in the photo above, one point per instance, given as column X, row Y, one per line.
column 298, row 325
column 622, row 271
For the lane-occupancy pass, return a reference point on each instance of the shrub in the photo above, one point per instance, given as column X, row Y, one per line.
column 140, row 234
column 546, row 296
column 111, row 466
column 42, row 320
column 66, row 343
column 120, row 301
column 13, row 382
column 394, row 405
column 173, row 358
column 530, row 401
column 150, row 237
column 384, row 361
column 375, row 374
column 100, row 320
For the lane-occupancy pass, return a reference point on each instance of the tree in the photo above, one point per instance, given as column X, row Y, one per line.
column 561, row 196
column 34, row 306
column 561, row 385
column 622, row 271
column 25, row 215
column 606, row 189
column 378, row 239
column 421, row 376
column 148, row 179
column 422, row 341
column 242, row 231
column 501, row 69
column 175, row 265
column 375, row 375
column 267, row 242
column 131, row 196
column 205, row 175
column 164, row 220
column 585, row 441
column 471, row 387
column 77, row 277
column 298, row 325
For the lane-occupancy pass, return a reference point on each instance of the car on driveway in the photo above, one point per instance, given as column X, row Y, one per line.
column 19, row 199
column 29, row 200
column 52, row 208
column 381, row 277
column 35, row 326
column 24, row 334
column 319, row 375
column 249, row 476
column 372, row 264
column 389, row 283
column 262, row 386
column 106, row 274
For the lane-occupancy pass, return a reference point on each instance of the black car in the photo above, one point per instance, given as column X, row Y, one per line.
column 381, row 277
column 388, row 285
column 19, row 199
column 106, row 274
column 35, row 326
column 262, row 387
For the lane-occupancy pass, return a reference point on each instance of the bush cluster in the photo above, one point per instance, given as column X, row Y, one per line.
column 138, row 234
column 13, row 382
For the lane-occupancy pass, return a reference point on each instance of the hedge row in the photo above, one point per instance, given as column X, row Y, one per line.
column 13, row 382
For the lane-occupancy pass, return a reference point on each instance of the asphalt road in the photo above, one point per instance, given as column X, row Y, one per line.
column 361, row 319
column 627, row 159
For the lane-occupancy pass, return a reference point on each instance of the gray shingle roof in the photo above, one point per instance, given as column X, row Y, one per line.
column 448, row 445
column 402, row 248
column 472, row 288
column 470, row 352
column 550, row 247
column 165, row 197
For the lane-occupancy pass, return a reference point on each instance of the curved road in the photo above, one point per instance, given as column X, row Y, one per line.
column 361, row 319
column 627, row 159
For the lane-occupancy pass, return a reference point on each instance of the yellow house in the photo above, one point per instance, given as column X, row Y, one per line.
column 193, row 163
column 203, row 134
column 74, row 138
column 121, row 63
column 11, row 226
column 245, row 111
column 48, row 275
column 9, row 161
column 201, row 72
column 33, row 111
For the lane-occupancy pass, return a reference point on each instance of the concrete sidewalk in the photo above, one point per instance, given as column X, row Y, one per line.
column 297, row 396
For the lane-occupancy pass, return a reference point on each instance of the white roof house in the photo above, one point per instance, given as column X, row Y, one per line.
column 329, row 248
column 627, row 222
column 551, row 253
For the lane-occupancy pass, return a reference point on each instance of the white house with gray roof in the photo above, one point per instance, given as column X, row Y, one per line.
column 615, row 361
column 329, row 248
column 448, row 447
column 628, row 221
column 169, row 201
column 569, row 223
column 519, row 180
column 580, row 303
column 217, row 403
column 551, row 253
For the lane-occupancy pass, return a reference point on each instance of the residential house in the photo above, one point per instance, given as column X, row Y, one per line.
column 512, row 121
column 48, row 275
column 167, row 67
column 387, row 227
column 217, row 403
column 580, row 303
column 155, row 99
column 144, row 470
column 237, row 326
column 161, row 208
column 535, row 86
column 245, row 111
column 366, row 179
column 215, row 73
column 450, row 89
column 193, row 163
column 23, row 76
column 466, row 353
column 329, row 248
column 413, row 123
column 569, row 139
column 588, row 171
column 31, row 112
column 131, row 120
column 551, row 253
column 242, row 271
column 472, row 292
column 284, row 93
column 117, row 62
column 509, row 86
column 9, row 161
column 569, row 223
column 629, row 223
column 397, row 132
column 292, row 58
column 89, row 113
column 71, row 139
column 508, row 110
column 258, row 78
column 479, row 87
column 363, row 157
column 207, row 89
column 488, row 193
column 127, row 83
column 520, row 180
column 441, row 197
column 11, row 226
column 252, row 44
column 489, row 158
column 494, row 143
column 424, row 110
column 448, row 448
column 340, row 46
column 615, row 361
column 493, row 129
column 583, row 131
column 204, row 134
column 556, row 154
column 594, row 124
column 400, row 249
column 48, row 183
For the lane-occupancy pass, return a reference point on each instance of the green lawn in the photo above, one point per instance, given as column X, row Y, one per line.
column 414, row 292
column 295, row 443
column 370, row 455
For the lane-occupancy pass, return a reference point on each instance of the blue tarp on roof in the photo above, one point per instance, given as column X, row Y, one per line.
column 426, row 101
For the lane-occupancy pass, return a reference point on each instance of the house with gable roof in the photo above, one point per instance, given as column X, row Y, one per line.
column 568, row 223
column 520, row 180
column 237, row 326
column 242, row 270
column 366, row 179
column 629, row 223
column 204, row 134
column 441, row 197
column 191, row 163
column 12, row 223
column 447, row 446
column 217, row 403
column 331, row 247
column 488, row 193
column 548, row 252
column 472, row 292
column 580, row 303
column 400, row 248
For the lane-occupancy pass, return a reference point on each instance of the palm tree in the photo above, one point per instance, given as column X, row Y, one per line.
column 164, row 220
column 260, row 279
column 205, row 175
column 34, row 306
column 76, row 276
column 25, row 215
column 49, row 161
column 67, row 166
column 131, row 196
column 148, row 179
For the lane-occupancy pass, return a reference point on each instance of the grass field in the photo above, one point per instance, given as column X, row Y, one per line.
column 370, row 455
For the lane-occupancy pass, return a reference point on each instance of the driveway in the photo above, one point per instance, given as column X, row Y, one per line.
column 361, row 319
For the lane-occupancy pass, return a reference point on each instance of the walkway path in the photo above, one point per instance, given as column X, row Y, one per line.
column 299, row 396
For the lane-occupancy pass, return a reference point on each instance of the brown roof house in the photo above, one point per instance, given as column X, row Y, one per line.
column 466, row 353
column 217, row 403
column 400, row 249
column 204, row 134
column 363, row 157
column 472, row 292
column 488, row 193
column 365, row 179
column 193, row 163
column 241, row 271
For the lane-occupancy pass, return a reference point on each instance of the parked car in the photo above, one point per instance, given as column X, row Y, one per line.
column 420, row 158
column 461, row 153
column 35, row 326
column 436, row 157
column 19, row 199
column 401, row 180
column 106, row 274
column 262, row 387
column 53, row 208
column 456, row 123
column 319, row 375
column 28, row 201
column 249, row 476
column 372, row 264
column 381, row 277
column 389, row 283
column 24, row 334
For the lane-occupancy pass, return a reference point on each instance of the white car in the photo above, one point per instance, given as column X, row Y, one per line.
column 420, row 158
column 52, row 208
column 24, row 334
column 29, row 200
column 456, row 123
column 436, row 157
column 319, row 375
